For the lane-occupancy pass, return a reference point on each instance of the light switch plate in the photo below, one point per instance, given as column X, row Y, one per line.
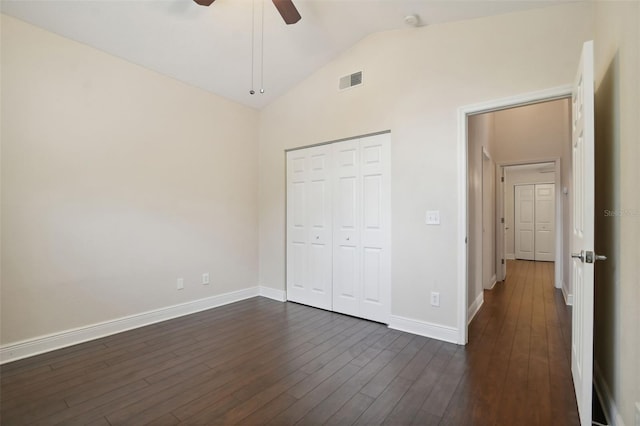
column 433, row 217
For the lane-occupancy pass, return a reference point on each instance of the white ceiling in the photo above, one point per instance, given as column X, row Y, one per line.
column 210, row 47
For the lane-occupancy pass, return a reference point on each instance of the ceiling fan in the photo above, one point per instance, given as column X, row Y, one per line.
column 286, row 8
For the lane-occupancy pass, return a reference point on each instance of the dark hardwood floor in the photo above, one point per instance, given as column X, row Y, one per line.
column 265, row 362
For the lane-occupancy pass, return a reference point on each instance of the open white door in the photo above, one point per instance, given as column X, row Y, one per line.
column 582, row 241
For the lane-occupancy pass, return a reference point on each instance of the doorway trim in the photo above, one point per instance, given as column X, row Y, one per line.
column 463, row 213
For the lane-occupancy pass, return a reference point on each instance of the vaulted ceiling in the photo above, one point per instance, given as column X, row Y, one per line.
column 211, row 47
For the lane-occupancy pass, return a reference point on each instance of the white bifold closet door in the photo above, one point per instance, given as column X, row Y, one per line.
column 361, row 223
column 340, row 206
column 535, row 222
column 309, row 261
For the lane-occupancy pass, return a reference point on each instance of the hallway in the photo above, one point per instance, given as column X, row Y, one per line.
column 519, row 359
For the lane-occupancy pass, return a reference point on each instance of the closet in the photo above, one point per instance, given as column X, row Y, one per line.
column 338, row 227
column 535, row 222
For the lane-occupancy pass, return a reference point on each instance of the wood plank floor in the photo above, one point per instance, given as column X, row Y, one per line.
column 265, row 362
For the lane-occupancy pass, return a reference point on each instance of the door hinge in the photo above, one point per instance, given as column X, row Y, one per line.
column 502, row 261
column 501, row 178
column 502, row 220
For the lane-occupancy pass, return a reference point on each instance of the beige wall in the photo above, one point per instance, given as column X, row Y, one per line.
column 414, row 82
column 533, row 132
column 617, row 297
column 115, row 182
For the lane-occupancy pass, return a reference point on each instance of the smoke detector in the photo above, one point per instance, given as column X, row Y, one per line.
column 412, row 20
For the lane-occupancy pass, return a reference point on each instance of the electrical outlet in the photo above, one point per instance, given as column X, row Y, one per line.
column 637, row 413
column 180, row 283
column 435, row 298
column 205, row 278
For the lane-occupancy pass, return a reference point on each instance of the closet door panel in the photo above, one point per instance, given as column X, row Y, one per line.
column 376, row 221
column 319, row 219
column 309, row 227
column 297, row 229
column 346, row 224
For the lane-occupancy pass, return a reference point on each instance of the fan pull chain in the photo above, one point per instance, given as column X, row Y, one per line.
column 253, row 31
column 262, row 53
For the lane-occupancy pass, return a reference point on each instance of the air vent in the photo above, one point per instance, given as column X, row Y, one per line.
column 351, row 80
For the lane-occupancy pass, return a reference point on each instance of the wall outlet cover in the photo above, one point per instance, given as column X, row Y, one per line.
column 433, row 217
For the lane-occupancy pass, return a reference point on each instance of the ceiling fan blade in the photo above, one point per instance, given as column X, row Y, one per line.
column 288, row 11
column 204, row 2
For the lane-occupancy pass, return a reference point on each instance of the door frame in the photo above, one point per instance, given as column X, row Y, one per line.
column 464, row 112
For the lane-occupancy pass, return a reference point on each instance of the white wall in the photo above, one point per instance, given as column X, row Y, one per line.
column 414, row 82
column 617, row 210
column 115, row 182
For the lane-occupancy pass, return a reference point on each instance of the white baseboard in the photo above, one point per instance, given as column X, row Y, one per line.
column 608, row 403
column 510, row 256
column 38, row 345
column 272, row 293
column 493, row 280
column 423, row 328
column 568, row 298
column 475, row 307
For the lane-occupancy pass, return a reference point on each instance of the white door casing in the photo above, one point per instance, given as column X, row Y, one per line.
column 545, row 219
column 309, row 235
column 524, row 222
column 501, row 234
column 582, row 238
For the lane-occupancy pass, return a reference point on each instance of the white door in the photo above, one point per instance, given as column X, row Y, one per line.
column 309, row 235
column 582, row 241
column 375, row 165
column 361, row 219
column 347, row 220
column 524, row 222
column 545, row 219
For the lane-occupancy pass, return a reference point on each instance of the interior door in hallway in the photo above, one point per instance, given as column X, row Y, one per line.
column 525, row 222
column 535, row 222
column 545, row 214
